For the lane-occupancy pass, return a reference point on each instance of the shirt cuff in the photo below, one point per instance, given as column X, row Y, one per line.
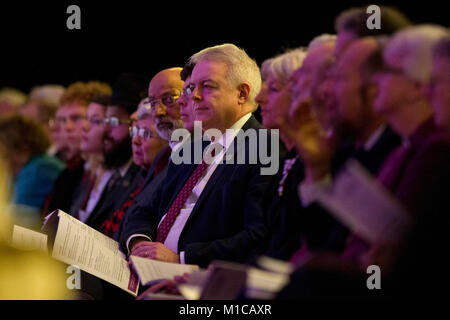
column 135, row 236
column 182, row 258
column 308, row 192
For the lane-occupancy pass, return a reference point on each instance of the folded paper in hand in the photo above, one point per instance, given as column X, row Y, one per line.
column 365, row 206
column 227, row 280
column 151, row 271
column 77, row 244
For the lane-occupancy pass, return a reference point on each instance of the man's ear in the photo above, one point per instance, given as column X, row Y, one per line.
column 244, row 93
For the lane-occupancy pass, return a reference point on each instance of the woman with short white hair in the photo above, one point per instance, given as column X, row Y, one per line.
column 283, row 207
column 146, row 143
column 272, row 99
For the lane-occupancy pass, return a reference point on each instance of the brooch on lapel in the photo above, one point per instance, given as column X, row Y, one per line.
column 288, row 163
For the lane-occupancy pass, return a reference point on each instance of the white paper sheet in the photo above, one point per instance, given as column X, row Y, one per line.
column 265, row 281
column 150, row 271
column 365, row 206
column 26, row 239
column 275, row 265
column 93, row 252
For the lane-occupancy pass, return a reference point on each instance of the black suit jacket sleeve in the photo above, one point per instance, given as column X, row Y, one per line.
column 144, row 214
column 139, row 209
column 142, row 218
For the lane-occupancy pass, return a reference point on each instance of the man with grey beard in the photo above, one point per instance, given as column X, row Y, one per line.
column 165, row 97
column 164, row 90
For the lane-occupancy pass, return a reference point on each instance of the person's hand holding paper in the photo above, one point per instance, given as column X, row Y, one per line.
column 155, row 250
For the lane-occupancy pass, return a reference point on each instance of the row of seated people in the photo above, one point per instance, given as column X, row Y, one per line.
column 376, row 96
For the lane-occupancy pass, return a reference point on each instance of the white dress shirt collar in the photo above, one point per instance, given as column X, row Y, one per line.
column 226, row 139
column 373, row 139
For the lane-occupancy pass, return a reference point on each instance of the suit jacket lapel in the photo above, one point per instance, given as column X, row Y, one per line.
column 222, row 168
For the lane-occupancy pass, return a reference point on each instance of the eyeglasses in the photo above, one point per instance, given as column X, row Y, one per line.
column 96, row 121
column 115, row 121
column 207, row 85
column 143, row 133
column 187, row 92
column 168, row 100
column 75, row 118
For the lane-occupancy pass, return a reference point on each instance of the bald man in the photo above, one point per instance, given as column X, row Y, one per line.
column 163, row 92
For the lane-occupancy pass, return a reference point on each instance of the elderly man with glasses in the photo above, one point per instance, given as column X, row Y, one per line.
column 165, row 99
column 164, row 91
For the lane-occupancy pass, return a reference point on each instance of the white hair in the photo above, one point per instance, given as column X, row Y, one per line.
column 144, row 110
column 413, row 46
column 12, row 96
column 282, row 66
column 241, row 68
column 48, row 94
column 323, row 38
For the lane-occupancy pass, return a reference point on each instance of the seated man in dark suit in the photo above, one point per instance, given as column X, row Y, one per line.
column 125, row 177
column 151, row 154
column 167, row 119
column 203, row 212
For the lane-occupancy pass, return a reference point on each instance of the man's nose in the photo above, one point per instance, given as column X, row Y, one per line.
column 161, row 110
column 68, row 126
column 181, row 103
column 137, row 140
column 86, row 126
column 196, row 94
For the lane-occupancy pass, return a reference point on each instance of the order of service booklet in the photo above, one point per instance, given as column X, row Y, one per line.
column 77, row 244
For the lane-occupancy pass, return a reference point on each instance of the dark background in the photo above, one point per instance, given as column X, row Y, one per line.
column 148, row 36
